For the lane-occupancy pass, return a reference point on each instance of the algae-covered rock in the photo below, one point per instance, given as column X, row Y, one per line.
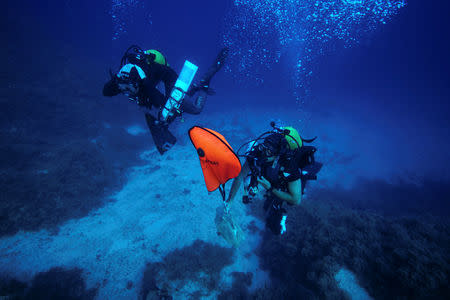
column 228, row 228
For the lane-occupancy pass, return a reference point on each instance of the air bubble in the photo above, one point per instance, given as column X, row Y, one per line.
column 306, row 28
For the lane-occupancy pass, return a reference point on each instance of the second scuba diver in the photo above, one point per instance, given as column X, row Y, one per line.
column 138, row 77
column 279, row 161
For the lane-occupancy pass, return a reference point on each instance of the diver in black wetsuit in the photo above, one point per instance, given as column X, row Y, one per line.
column 138, row 80
column 282, row 164
column 140, row 73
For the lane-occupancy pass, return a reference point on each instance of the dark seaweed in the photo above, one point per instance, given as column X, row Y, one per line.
column 396, row 255
column 57, row 159
column 56, row 284
column 201, row 262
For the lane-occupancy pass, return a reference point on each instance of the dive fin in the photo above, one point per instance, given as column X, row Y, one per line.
column 163, row 138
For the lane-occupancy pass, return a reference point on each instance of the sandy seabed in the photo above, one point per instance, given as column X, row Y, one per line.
column 164, row 206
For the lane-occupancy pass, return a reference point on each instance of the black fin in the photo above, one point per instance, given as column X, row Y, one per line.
column 163, row 138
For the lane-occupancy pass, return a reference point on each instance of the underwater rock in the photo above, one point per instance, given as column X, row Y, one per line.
column 129, row 285
column 407, row 256
column 57, row 283
column 200, row 263
column 11, row 288
column 346, row 280
column 239, row 290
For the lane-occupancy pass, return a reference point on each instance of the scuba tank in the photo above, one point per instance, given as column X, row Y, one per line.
column 172, row 106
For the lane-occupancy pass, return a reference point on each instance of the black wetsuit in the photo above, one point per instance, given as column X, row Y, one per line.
column 279, row 174
column 149, row 96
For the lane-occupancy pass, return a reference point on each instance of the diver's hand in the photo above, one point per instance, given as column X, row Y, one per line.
column 264, row 182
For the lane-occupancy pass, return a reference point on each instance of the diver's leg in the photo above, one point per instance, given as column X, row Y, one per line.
column 198, row 92
column 213, row 69
column 194, row 104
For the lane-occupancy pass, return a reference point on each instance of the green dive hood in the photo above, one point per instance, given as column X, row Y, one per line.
column 293, row 138
column 158, row 57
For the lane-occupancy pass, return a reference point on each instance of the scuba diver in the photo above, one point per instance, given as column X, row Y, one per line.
column 140, row 73
column 279, row 161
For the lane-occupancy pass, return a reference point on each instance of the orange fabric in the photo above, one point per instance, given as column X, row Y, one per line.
column 219, row 163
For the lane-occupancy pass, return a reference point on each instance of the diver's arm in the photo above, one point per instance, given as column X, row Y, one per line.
column 294, row 194
column 237, row 182
column 150, row 95
column 111, row 88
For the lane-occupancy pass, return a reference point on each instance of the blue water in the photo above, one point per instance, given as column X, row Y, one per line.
column 90, row 210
